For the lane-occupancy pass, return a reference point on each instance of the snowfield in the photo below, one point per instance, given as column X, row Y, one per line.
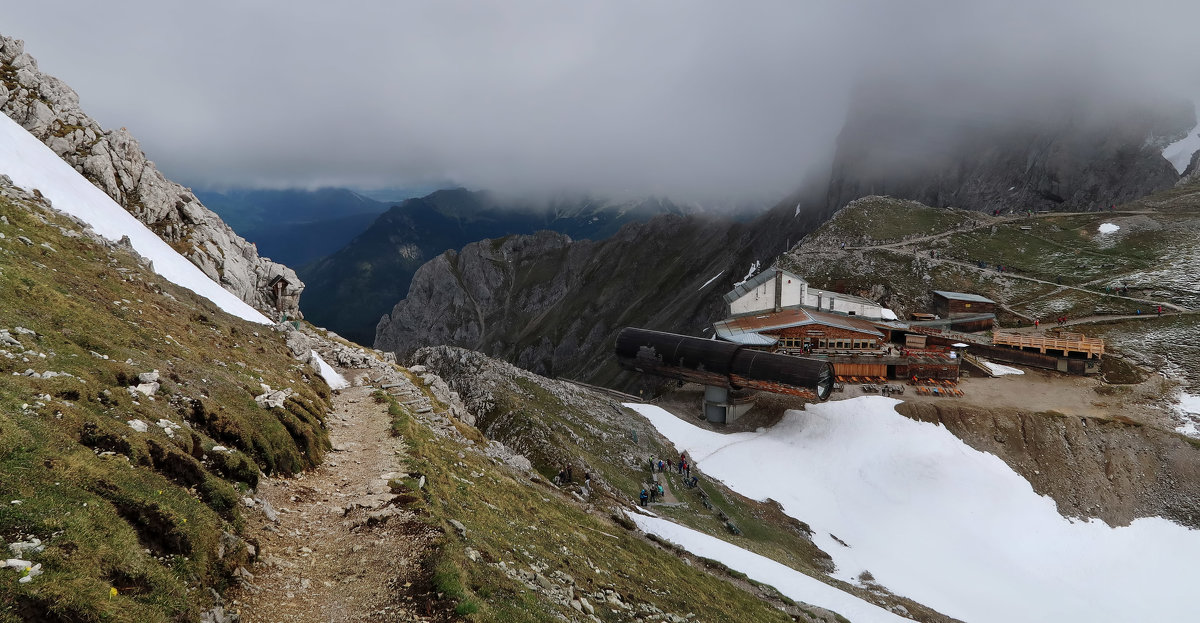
column 937, row 521
column 30, row 165
column 790, row 582
column 1108, row 228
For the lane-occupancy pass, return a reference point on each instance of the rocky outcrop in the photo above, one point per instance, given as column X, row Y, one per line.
column 113, row 160
column 1116, row 470
column 1191, row 174
column 968, row 151
column 376, row 268
column 554, row 306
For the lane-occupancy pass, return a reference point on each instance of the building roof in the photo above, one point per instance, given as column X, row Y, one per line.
column 842, row 296
column 750, row 284
column 962, row 296
column 748, row 329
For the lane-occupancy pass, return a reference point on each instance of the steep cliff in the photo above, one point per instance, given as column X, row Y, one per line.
column 553, row 306
column 374, row 270
column 113, row 160
column 978, row 151
column 1116, row 470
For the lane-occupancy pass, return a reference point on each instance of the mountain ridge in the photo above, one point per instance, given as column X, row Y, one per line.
column 113, row 160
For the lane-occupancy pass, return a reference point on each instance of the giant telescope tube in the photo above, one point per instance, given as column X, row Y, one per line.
column 722, row 364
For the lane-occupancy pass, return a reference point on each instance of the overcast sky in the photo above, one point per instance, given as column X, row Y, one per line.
column 685, row 98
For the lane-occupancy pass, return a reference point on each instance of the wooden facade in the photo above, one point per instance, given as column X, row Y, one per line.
column 952, row 304
column 826, row 337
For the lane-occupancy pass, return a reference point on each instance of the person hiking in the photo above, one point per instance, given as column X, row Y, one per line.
column 659, row 491
column 644, row 496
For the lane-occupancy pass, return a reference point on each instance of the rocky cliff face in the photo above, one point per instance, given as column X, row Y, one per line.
column 1116, row 471
column 1053, row 155
column 375, row 269
column 113, row 161
column 554, row 306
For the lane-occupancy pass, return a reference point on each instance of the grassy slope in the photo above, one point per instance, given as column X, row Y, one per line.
column 554, row 423
column 1059, row 249
column 143, row 513
column 1153, row 254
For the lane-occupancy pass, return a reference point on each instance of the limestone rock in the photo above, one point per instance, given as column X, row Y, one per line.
column 113, row 161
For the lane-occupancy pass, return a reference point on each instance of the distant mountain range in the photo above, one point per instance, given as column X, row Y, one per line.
column 349, row 290
column 294, row 226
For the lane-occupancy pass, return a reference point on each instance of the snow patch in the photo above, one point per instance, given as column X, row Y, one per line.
column 710, row 281
column 887, row 314
column 750, row 273
column 331, row 376
column 999, row 369
column 1108, row 228
column 32, row 165
column 1180, row 152
column 1188, row 408
column 939, row 522
column 790, row 582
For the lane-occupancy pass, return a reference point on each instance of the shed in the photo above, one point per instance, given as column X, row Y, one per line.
column 955, row 304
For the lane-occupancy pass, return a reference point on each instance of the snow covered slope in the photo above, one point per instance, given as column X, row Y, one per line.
column 32, row 165
column 1180, row 152
column 937, row 521
column 790, row 582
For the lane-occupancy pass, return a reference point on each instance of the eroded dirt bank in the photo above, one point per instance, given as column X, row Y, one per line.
column 1110, row 468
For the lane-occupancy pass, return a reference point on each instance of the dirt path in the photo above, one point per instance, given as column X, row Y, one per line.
column 339, row 551
column 906, row 247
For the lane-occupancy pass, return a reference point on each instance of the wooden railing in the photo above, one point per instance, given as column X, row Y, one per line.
column 1066, row 342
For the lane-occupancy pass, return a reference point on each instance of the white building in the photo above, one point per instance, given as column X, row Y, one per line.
column 776, row 289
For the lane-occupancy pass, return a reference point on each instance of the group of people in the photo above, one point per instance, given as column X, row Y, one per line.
column 654, row 490
column 566, row 475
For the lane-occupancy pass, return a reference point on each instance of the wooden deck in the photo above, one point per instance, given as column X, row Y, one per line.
column 1065, row 342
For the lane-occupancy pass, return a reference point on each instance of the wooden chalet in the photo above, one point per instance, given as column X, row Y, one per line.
column 855, row 347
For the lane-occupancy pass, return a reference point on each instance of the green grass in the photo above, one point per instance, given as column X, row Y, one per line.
column 523, row 523
column 116, row 508
column 883, row 220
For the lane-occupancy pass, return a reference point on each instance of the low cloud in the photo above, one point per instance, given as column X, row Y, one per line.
column 688, row 99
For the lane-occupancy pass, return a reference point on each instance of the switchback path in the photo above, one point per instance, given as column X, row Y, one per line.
column 906, row 247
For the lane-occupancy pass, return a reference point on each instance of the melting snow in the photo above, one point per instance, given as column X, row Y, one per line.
column 790, row 582
column 1189, row 411
column 710, row 281
column 331, row 376
column 750, row 273
column 32, row 165
column 1180, row 152
column 1000, row 370
column 939, row 522
column 1108, row 228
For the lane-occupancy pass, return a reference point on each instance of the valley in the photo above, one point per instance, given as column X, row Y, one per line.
column 427, row 416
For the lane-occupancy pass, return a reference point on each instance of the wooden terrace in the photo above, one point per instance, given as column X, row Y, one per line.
column 1066, row 342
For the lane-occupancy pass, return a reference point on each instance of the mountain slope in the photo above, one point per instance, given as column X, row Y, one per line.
column 295, row 227
column 978, row 151
column 554, row 306
column 375, row 269
column 129, row 427
column 115, row 163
